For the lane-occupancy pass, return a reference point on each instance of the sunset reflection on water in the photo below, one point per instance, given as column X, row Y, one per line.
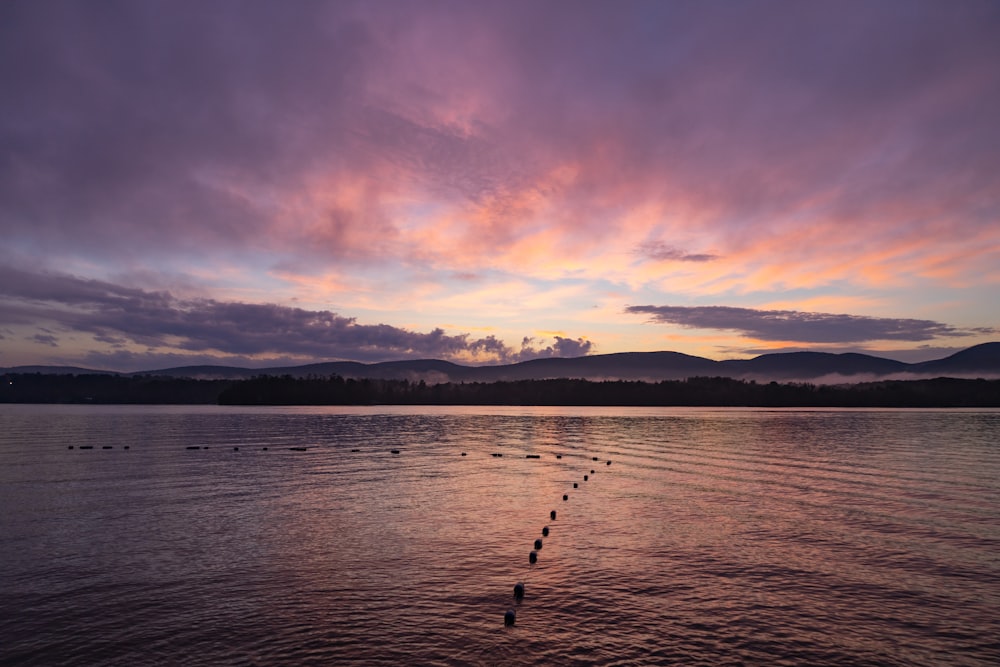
column 778, row 537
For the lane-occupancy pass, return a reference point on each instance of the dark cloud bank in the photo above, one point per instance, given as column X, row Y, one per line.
column 119, row 316
column 803, row 327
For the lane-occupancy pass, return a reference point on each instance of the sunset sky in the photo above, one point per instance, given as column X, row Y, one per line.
column 267, row 183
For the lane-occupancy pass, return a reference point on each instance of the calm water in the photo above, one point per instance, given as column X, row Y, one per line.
column 715, row 537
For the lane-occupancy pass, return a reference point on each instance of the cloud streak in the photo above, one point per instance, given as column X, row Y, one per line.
column 802, row 327
column 663, row 252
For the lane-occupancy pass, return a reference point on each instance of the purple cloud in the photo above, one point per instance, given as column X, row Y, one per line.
column 563, row 347
column 791, row 325
column 117, row 315
column 399, row 139
column 664, row 252
column 46, row 339
column 185, row 127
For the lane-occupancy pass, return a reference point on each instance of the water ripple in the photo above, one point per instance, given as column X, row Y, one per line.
column 717, row 537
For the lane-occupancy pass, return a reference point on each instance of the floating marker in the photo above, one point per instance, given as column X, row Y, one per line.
column 533, row 557
column 545, row 531
column 519, row 590
column 538, row 545
column 509, row 618
column 552, row 515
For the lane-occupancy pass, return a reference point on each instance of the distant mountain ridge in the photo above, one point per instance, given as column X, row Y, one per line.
column 977, row 361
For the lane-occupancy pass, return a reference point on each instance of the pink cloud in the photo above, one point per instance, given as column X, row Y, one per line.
column 692, row 148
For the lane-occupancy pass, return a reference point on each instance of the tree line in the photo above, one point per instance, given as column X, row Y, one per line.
column 336, row 390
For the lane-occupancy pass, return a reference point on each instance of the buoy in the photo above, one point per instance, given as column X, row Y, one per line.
column 509, row 618
column 575, row 485
column 538, row 545
column 545, row 531
column 552, row 515
column 519, row 590
column 533, row 557
column 565, row 497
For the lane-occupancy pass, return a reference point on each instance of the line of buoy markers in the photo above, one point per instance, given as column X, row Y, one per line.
column 510, row 616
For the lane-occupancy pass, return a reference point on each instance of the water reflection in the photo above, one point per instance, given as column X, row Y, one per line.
column 796, row 537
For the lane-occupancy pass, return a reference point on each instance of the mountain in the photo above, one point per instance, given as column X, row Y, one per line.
column 978, row 361
column 651, row 366
column 811, row 365
column 983, row 358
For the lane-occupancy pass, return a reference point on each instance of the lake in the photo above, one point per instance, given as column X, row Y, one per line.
column 296, row 536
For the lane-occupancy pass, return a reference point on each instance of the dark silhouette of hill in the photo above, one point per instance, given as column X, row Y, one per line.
column 619, row 366
column 983, row 358
column 978, row 361
column 810, row 365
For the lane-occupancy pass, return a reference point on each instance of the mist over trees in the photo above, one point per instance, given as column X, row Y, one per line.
column 336, row 390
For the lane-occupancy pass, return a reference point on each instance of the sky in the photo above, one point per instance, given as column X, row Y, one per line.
column 267, row 183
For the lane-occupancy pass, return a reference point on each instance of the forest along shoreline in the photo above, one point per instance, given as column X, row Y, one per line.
column 100, row 388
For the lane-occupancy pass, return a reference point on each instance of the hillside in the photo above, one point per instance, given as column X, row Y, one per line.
column 978, row 361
